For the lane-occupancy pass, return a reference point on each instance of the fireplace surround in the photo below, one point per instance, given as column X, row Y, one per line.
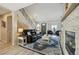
column 70, row 42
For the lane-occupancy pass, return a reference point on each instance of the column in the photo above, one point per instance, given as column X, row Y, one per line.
column 0, row 28
column 14, row 29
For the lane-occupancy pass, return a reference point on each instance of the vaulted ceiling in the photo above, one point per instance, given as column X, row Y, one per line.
column 40, row 12
column 45, row 11
column 7, row 7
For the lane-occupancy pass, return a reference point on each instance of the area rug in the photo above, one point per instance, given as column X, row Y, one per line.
column 46, row 51
column 52, row 47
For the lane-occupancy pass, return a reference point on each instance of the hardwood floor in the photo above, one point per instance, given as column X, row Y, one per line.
column 16, row 50
column 3, row 45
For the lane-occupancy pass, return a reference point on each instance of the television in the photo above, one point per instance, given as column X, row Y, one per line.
column 70, row 42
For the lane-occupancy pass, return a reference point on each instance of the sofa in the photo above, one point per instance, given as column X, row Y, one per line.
column 31, row 35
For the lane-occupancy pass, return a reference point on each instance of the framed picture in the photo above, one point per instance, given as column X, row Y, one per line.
column 3, row 24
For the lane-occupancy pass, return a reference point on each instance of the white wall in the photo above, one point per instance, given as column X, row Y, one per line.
column 58, row 23
column 3, row 31
column 21, row 19
column 49, row 24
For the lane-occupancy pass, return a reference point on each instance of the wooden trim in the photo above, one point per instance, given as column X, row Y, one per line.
column 70, row 9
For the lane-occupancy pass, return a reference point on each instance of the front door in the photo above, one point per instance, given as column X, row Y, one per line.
column 43, row 28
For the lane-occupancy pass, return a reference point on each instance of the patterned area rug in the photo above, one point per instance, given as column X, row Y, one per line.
column 49, row 50
column 46, row 51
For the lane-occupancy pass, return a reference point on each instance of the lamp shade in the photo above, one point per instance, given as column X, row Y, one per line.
column 20, row 30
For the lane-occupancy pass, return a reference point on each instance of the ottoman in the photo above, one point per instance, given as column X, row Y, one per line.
column 39, row 46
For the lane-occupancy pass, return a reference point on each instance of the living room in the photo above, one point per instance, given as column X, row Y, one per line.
column 46, row 29
column 40, row 24
column 39, row 29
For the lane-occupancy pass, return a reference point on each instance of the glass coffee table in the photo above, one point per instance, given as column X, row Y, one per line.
column 40, row 45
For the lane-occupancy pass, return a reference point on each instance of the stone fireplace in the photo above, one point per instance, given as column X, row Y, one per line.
column 70, row 42
column 71, row 23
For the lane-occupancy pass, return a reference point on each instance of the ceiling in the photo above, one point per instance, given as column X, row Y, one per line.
column 40, row 12
column 3, row 10
column 45, row 11
column 7, row 7
column 15, row 6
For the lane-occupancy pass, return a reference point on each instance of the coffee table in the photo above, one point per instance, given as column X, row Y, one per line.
column 41, row 44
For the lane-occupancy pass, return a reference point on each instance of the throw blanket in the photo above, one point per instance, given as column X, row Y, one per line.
column 54, row 40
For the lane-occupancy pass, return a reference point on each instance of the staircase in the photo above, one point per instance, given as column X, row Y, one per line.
column 31, row 21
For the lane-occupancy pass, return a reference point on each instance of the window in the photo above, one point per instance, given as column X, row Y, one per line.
column 54, row 27
column 38, row 27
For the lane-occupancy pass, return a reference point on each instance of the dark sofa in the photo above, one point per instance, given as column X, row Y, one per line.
column 33, row 36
